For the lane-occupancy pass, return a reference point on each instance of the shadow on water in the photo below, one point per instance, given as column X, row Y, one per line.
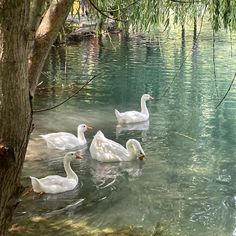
column 64, row 213
column 70, row 227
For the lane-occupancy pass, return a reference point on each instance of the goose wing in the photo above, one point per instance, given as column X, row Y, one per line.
column 132, row 117
column 53, row 179
column 61, row 140
column 57, row 184
column 106, row 150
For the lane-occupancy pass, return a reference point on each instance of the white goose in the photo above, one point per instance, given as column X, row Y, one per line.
column 135, row 116
column 64, row 140
column 106, row 150
column 55, row 183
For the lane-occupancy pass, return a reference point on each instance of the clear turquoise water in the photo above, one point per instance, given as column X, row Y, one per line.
column 188, row 182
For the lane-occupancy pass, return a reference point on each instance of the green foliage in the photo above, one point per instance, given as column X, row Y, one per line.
column 145, row 14
column 148, row 14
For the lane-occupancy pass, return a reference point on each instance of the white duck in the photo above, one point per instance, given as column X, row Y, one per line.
column 55, row 183
column 135, row 116
column 64, row 140
column 106, row 150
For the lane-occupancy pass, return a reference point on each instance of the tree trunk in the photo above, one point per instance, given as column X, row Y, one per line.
column 45, row 36
column 18, row 80
column 15, row 105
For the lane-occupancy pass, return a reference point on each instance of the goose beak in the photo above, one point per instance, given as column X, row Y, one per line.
column 78, row 157
column 151, row 98
column 141, row 158
column 89, row 127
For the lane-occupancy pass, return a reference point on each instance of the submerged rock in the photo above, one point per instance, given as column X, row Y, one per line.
column 80, row 34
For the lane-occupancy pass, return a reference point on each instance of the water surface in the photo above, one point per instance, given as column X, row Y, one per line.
column 187, row 184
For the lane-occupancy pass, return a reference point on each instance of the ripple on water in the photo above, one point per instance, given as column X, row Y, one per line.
column 185, row 186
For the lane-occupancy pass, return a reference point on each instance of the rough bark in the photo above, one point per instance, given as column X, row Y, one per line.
column 45, row 36
column 17, row 81
column 15, row 108
column 36, row 12
column 37, row 8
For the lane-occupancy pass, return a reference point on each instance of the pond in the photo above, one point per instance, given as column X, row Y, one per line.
column 186, row 185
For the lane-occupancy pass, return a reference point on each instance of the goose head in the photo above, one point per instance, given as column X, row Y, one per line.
column 147, row 97
column 70, row 156
column 135, row 147
column 83, row 127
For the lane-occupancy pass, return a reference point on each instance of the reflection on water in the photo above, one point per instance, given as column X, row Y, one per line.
column 187, row 184
column 142, row 126
column 106, row 174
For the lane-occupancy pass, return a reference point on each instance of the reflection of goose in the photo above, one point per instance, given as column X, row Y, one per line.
column 133, row 126
column 135, row 116
column 63, row 140
column 56, row 183
column 106, row 150
column 106, row 174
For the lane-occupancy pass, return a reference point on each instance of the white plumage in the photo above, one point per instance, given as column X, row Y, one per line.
column 135, row 116
column 64, row 140
column 55, row 183
column 105, row 150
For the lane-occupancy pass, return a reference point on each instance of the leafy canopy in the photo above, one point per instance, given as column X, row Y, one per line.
column 145, row 14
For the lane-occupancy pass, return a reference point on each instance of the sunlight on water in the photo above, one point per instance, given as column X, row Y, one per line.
column 187, row 184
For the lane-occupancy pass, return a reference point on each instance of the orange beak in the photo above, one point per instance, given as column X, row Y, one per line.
column 141, row 158
column 78, row 157
column 89, row 127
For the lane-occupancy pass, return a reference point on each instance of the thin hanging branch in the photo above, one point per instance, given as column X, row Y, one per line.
column 183, row 62
column 232, row 81
column 231, row 43
column 124, row 8
column 214, row 63
column 188, row 2
column 71, row 96
column 87, row 82
column 102, row 13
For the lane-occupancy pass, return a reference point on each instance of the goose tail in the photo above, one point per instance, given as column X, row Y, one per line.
column 36, row 184
column 117, row 113
column 43, row 136
column 100, row 133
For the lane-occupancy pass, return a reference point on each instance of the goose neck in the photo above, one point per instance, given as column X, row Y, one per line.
column 69, row 172
column 131, row 150
column 144, row 106
column 81, row 137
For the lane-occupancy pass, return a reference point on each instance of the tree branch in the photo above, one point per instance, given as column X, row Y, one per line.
column 179, row 1
column 45, row 36
column 71, row 96
column 124, row 8
column 36, row 11
column 102, row 13
column 227, row 91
